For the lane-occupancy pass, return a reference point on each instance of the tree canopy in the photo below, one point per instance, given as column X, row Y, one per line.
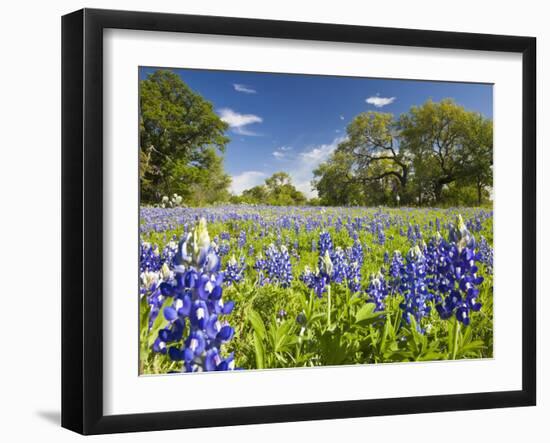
column 180, row 138
column 277, row 190
column 437, row 153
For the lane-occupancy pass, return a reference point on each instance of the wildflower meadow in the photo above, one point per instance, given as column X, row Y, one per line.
column 236, row 287
column 297, row 221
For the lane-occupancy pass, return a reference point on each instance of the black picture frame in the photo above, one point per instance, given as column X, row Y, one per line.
column 82, row 220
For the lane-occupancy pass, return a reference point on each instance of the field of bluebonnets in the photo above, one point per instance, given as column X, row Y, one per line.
column 252, row 287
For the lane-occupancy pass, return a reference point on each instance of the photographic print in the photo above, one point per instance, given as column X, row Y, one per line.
column 300, row 221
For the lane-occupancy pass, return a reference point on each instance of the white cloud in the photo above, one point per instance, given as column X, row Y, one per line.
column 341, row 117
column 238, row 122
column 282, row 152
column 321, row 153
column 302, row 172
column 243, row 88
column 246, row 180
column 380, row 102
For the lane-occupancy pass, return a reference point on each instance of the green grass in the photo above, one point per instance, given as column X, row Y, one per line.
column 355, row 334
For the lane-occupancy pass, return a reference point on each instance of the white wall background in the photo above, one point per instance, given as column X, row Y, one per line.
column 30, row 217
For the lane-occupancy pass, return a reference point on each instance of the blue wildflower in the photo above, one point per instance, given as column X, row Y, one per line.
column 276, row 268
column 325, row 243
column 196, row 288
column 377, row 291
column 234, row 272
column 414, row 288
column 241, row 241
column 457, row 275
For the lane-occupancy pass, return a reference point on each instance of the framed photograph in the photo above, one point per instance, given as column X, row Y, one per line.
column 269, row 221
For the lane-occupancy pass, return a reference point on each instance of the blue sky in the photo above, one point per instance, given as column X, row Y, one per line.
column 292, row 123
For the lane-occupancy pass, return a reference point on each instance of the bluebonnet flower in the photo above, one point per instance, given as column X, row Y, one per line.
column 339, row 265
column 461, row 236
column 196, row 291
column 414, row 288
column 353, row 277
column 149, row 281
column 417, row 232
column 169, row 334
column 396, row 268
column 325, row 243
column 335, row 266
column 149, row 257
column 251, row 250
column 234, row 271
column 326, row 267
column 319, row 280
column 486, row 254
column 276, row 267
column 150, row 288
column 411, row 235
column 316, row 281
column 377, row 291
column 223, row 249
column 241, row 241
column 350, row 268
column 381, row 236
column 307, row 277
column 410, row 232
column 260, row 266
column 215, row 362
column 463, row 298
column 356, row 253
column 169, row 252
column 458, row 279
column 478, row 226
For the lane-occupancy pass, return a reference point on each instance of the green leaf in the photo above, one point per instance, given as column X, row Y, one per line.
column 315, row 318
column 366, row 315
column 257, row 323
column 471, row 348
column 385, row 334
column 282, row 336
column 333, row 349
column 259, row 351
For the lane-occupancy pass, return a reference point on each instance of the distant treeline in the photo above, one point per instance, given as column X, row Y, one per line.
column 436, row 154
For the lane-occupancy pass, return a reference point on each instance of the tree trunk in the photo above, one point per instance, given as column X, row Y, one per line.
column 404, row 178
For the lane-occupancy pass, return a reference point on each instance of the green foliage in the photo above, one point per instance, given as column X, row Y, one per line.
column 278, row 190
column 335, row 182
column 180, row 135
column 437, row 153
column 356, row 334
